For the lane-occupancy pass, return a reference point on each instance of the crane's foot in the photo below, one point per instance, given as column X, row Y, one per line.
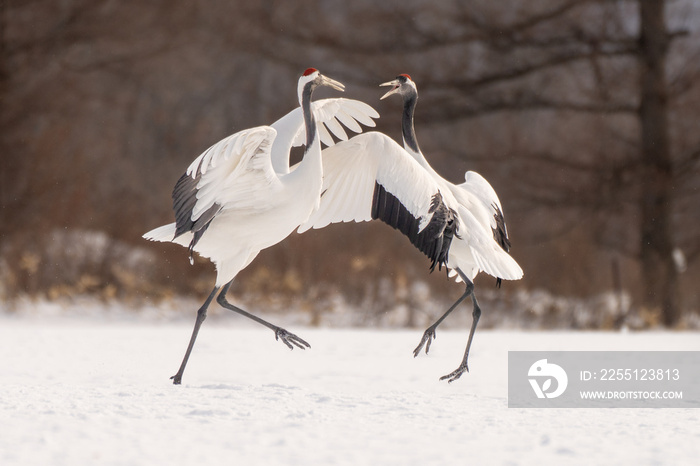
column 290, row 339
column 177, row 379
column 427, row 339
column 454, row 375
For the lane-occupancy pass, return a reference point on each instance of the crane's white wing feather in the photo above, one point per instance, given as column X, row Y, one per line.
column 487, row 253
column 332, row 114
column 359, row 111
column 351, row 123
column 476, row 191
column 353, row 168
column 477, row 185
column 481, row 188
column 324, row 135
column 233, row 170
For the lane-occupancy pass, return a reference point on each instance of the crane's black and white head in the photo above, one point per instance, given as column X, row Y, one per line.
column 402, row 85
column 311, row 79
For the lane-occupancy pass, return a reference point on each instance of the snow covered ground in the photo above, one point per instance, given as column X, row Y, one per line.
column 77, row 391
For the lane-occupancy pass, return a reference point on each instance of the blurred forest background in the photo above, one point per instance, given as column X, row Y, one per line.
column 584, row 115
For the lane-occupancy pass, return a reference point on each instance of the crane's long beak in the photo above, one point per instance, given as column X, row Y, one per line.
column 338, row 86
column 394, row 83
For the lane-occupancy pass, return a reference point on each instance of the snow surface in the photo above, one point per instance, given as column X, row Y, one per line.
column 90, row 390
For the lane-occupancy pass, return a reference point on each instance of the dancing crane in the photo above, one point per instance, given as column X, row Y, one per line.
column 239, row 196
column 482, row 245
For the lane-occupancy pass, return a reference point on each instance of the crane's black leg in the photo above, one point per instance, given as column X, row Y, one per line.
column 287, row 338
column 429, row 334
column 463, row 367
column 201, row 315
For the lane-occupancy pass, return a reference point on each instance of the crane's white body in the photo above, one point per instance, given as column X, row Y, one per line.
column 260, row 200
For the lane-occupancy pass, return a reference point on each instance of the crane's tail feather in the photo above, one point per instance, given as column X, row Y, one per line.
column 500, row 265
column 504, row 268
column 163, row 233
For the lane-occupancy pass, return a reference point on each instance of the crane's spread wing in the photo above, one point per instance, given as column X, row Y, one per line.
column 225, row 176
column 372, row 177
column 476, row 185
column 331, row 115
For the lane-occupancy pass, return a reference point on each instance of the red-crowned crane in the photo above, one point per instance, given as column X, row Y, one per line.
column 482, row 243
column 239, row 197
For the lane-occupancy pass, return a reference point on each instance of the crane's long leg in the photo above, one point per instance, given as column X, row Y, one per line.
column 287, row 338
column 463, row 367
column 429, row 333
column 201, row 315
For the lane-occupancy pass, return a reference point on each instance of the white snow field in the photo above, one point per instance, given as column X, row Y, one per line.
column 96, row 391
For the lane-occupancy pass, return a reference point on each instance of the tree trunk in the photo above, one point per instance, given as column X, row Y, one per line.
column 659, row 271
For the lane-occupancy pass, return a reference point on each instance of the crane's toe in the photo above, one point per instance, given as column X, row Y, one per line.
column 427, row 339
column 290, row 339
column 457, row 373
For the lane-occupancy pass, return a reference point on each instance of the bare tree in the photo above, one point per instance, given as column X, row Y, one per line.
column 594, row 145
column 582, row 114
column 657, row 242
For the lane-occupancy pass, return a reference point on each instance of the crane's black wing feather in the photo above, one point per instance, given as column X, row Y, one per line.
column 434, row 240
column 500, row 234
column 184, row 199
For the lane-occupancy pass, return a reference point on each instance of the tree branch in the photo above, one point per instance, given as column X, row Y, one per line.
column 449, row 110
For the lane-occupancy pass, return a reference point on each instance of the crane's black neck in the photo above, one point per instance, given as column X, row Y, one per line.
column 309, row 120
column 409, row 133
